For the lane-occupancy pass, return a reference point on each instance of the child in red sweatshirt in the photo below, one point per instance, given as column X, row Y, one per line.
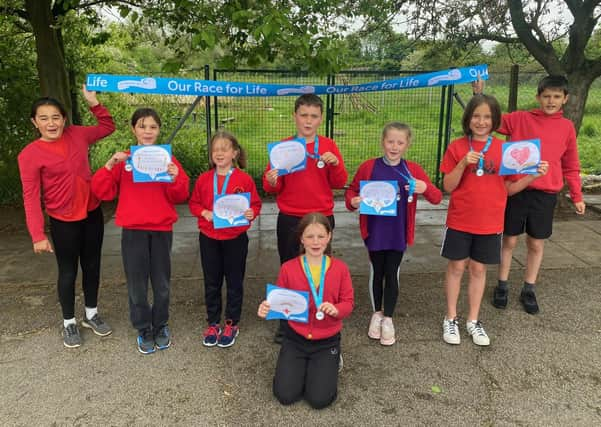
column 146, row 211
column 309, row 190
column 309, row 358
column 223, row 251
column 56, row 167
column 531, row 211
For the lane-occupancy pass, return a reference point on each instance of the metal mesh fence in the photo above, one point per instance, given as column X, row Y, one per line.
column 355, row 122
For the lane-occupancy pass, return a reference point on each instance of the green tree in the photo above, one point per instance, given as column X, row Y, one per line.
column 557, row 33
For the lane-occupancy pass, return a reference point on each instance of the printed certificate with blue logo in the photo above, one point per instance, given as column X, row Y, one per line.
column 228, row 210
column 149, row 163
column 378, row 198
column 287, row 304
column 288, row 156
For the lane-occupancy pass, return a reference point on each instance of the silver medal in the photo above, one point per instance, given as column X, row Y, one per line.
column 128, row 167
column 320, row 164
column 480, row 172
column 410, row 199
column 320, row 315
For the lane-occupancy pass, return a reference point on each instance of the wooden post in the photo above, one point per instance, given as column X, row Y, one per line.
column 512, row 103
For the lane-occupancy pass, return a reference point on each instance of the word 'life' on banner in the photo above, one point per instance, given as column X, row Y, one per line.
column 173, row 86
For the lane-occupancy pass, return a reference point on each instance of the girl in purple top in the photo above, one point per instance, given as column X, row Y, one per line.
column 387, row 237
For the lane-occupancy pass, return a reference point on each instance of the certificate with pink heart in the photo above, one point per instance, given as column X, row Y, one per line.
column 520, row 157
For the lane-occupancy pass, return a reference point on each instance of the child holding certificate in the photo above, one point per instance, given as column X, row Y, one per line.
column 146, row 211
column 387, row 237
column 309, row 358
column 308, row 190
column 223, row 250
column 476, row 208
column 531, row 211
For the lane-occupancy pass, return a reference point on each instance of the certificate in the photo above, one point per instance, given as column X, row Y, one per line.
column 228, row 210
column 288, row 156
column 520, row 157
column 287, row 304
column 378, row 197
column 149, row 163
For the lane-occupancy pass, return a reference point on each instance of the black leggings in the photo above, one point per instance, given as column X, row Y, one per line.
column 385, row 269
column 78, row 241
column 223, row 259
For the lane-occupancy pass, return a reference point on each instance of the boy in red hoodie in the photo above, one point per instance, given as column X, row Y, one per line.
column 309, row 190
column 532, row 209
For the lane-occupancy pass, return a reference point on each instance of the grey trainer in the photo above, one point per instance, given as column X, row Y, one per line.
column 71, row 337
column 99, row 326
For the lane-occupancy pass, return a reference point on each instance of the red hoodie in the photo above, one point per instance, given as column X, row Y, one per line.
column 309, row 190
column 142, row 205
column 558, row 147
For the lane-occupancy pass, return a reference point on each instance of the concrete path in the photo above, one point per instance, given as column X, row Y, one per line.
column 539, row 370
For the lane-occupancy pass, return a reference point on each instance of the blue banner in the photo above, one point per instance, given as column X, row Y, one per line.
column 176, row 86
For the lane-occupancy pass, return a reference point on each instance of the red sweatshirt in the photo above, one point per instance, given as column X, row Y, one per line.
column 202, row 198
column 309, row 190
column 62, row 176
column 338, row 291
column 142, row 205
column 432, row 194
column 558, row 146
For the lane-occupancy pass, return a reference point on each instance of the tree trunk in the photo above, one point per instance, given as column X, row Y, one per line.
column 579, row 84
column 54, row 81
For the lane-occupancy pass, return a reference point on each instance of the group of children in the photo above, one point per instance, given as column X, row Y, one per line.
column 480, row 228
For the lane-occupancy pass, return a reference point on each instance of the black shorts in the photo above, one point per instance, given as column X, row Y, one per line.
column 530, row 211
column 484, row 248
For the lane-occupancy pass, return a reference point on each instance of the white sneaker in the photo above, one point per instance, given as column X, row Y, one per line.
column 375, row 326
column 450, row 331
column 387, row 335
column 476, row 330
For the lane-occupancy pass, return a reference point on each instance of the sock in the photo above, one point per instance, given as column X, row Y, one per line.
column 502, row 284
column 67, row 322
column 528, row 287
column 91, row 312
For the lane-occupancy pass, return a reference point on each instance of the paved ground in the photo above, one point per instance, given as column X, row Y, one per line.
column 539, row 370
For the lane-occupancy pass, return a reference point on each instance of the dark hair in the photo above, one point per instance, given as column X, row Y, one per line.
column 47, row 101
column 475, row 102
column 308, row 99
column 398, row 126
column 314, row 218
column 553, row 82
column 141, row 113
column 239, row 161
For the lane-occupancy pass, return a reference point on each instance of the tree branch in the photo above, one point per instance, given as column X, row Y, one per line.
column 542, row 51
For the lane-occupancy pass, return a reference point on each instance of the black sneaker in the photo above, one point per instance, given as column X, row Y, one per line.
column 528, row 300
column 162, row 339
column 99, row 326
column 146, row 342
column 499, row 297
column 71, row 337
